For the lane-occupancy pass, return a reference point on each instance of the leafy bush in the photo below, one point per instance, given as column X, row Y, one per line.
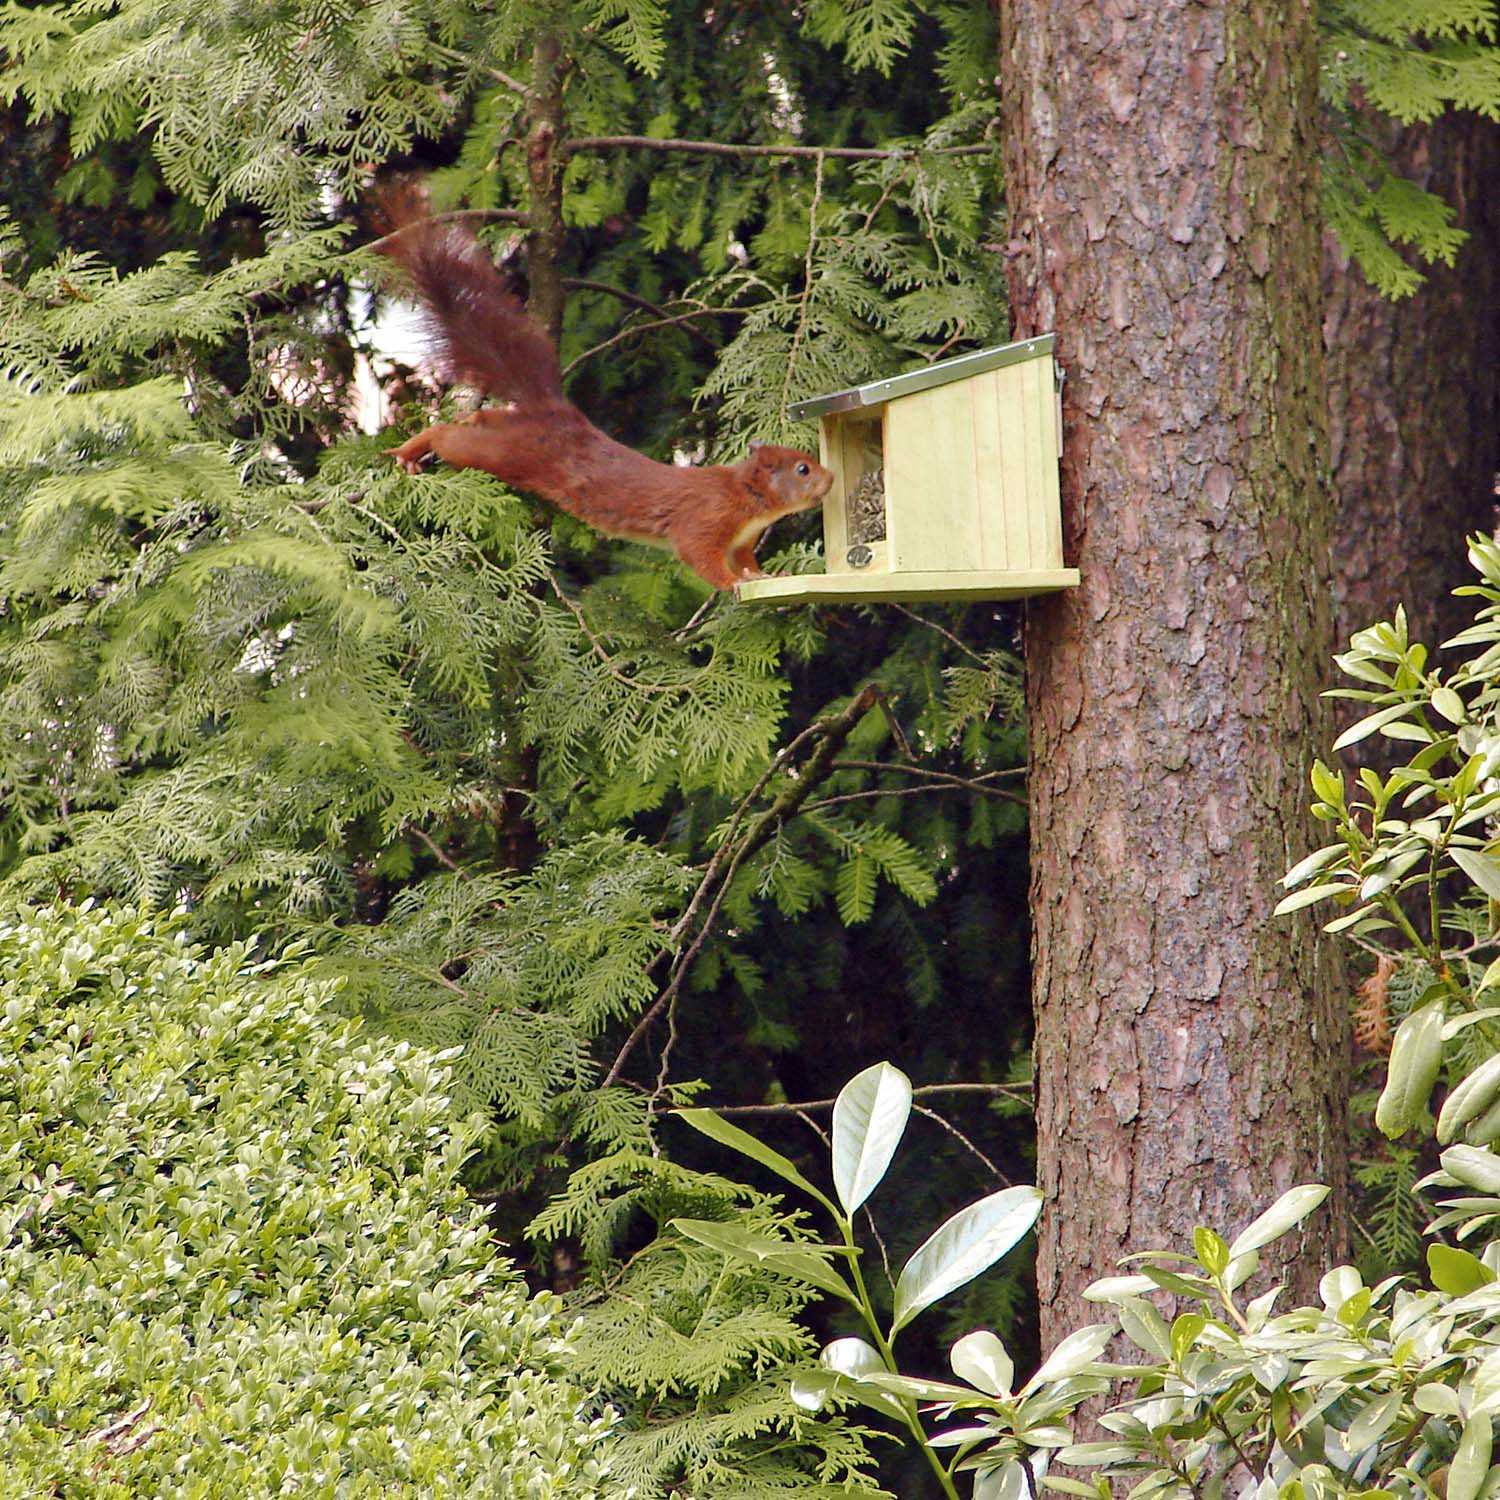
column 236, row 1258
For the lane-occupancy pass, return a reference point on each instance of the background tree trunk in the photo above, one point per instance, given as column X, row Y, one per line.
column 1191, row 1051
column 1415, row 441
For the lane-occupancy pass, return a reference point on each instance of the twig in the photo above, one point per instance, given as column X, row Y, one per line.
column 875, row 793
column 932, row 359
column 601, row 653
column 933, row 625
column 800, row 1109
column 697, row 616
column 807, row 285
column 963, row 1140
column 667, row 322
column 894, row 725
column 831, row 733
column 581, row 284
column 927, row 771
column 725, row 148
column 437, row 853
column 458, row 57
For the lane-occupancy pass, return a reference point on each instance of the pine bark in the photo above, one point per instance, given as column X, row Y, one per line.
column 1414, row 425
column 1190, row 1050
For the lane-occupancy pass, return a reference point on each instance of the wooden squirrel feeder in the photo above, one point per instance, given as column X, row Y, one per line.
column 944, row 483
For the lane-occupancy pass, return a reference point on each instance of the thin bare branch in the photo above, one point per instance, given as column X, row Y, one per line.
column 725, row 148
column 830, row 733
column 964, row 1141
column 666, row 322
column 1014, row 1090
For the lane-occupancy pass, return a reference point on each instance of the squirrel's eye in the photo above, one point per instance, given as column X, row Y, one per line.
column 803, row 469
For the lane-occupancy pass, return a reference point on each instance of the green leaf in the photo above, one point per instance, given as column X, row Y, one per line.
column 1482, row 869
column 1185, row 1330
column 1146, row 1326
column 1373, row 1421
column 1212, row 1252
column 1367, row 726
column 851, row 1356
column 1471, row 1463
column 869, row 1117
column 958, row 1250
column 812, row 1388
column 1416, row 1057
column 1288, row 1210
column 1298, row 899
column 720, row 1130
column 1114, row 1288
column 981, row 1359
column 1448, row 703
column 1474, row 1166
column 784, row 1257
column 1470, row 1098
column 1456, row 1272
column 1314, row 862
column 1076, row 1352
column 915, row 1388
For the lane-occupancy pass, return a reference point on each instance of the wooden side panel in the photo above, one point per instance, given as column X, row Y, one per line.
column 930, row 483
column 1043, row 505
column 997, row 547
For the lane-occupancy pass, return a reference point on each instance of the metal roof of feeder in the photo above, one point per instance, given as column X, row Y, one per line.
column 877, row 392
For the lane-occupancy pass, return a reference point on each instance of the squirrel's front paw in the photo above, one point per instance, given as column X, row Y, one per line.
column 411, row 462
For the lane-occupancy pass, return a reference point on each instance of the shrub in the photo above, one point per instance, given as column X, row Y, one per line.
column 236, row 1257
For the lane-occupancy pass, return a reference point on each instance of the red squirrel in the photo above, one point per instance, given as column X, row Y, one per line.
column 711, row 517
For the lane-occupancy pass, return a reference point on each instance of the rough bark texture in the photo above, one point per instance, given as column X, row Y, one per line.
column 1415, row 440
column 1191, row 1051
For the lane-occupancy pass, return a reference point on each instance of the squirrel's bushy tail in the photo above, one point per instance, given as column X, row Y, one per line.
column 479, row 330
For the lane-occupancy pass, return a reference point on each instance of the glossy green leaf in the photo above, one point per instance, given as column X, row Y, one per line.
column 1185, row 1330
column 1456, row 1271
column 1482, row 868
column 1314, row 862
column 1074, row 1353
column 1416, row 1057
column 784, row 1257
column 1448, row 703
column 1146, row 1327
column 1285, row 1213
column 851, row 1356
column 1373, row 1421
column 1211, row 1251
column 981, row 1359
column 720, row 1130
column 1471, row 1097
column 1298, row 899
column 1474, row 1166
column 812, row 1388
column 869, row 1117
column 968, row 1243
column 1382, row 718
column 1471, row 1463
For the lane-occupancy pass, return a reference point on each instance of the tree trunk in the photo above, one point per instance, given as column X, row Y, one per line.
column 1412, row 400
column 1190, row 1050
